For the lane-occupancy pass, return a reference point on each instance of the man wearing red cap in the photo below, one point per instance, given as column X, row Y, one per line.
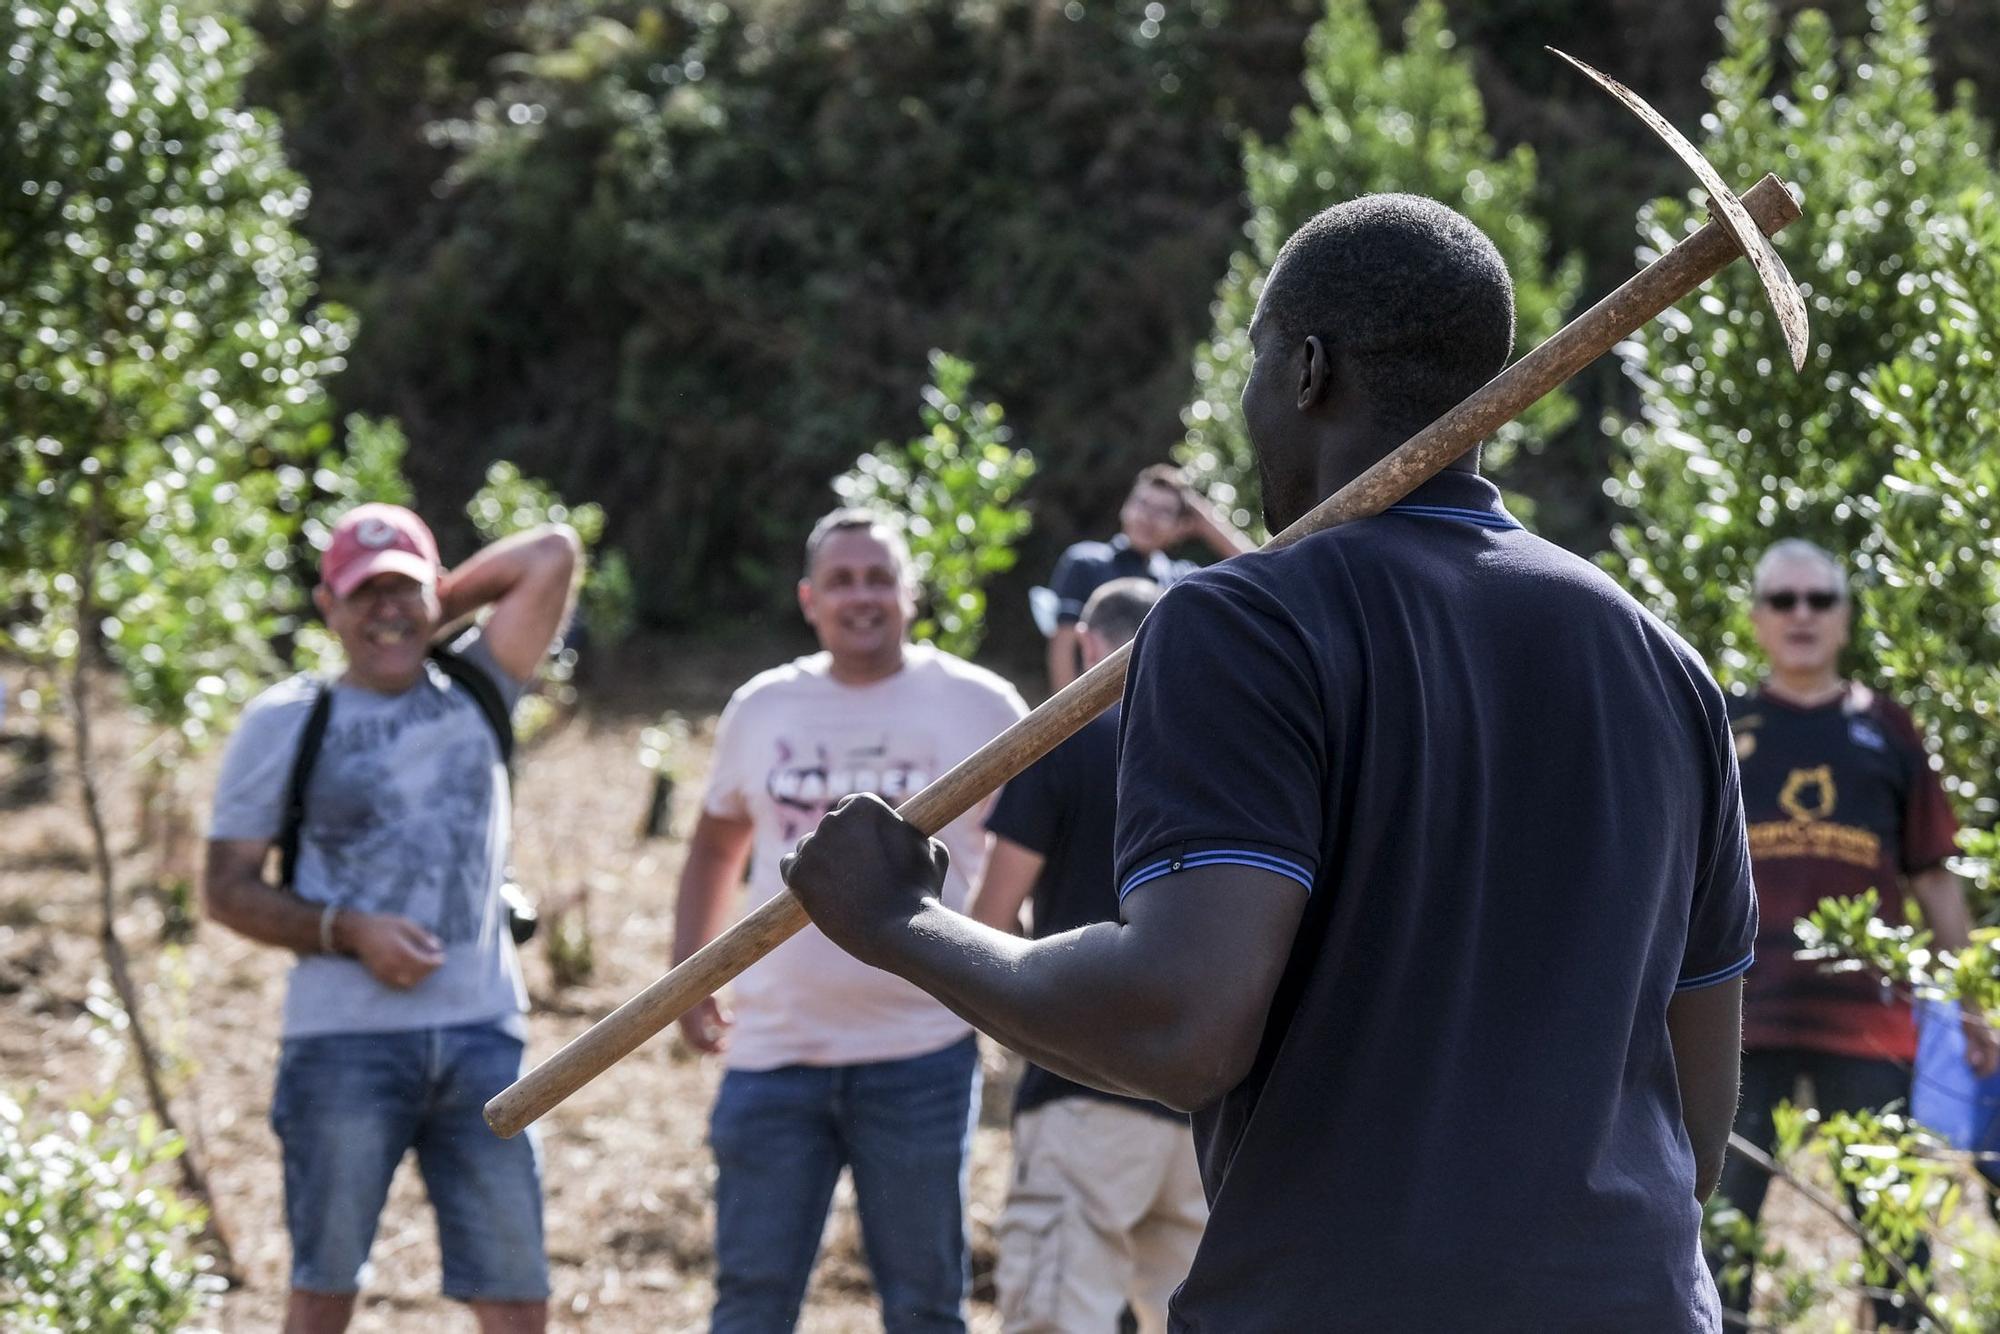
column 403, row 1012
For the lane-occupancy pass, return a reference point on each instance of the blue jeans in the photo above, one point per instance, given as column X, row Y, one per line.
column 780, row 1139
column 348, row 1106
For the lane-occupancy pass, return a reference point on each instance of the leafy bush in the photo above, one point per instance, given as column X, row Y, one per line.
column 1884, row 450
column 161, row 409
column 1375, row 121
column 1732, row 450
column 954, row 487
column 93, row 1238
column 510, row 502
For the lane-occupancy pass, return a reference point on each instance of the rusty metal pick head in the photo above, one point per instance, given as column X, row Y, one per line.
column 1786, row 300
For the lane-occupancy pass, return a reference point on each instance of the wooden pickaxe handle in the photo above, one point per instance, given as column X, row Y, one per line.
column 1503, row 398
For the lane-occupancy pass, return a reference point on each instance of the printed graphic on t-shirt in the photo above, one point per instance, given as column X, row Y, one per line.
column 806, row 779
column 364, row 804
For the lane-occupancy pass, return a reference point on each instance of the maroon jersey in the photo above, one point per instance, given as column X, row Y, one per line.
column 1840, row 799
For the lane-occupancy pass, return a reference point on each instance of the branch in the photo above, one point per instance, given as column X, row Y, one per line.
column 1832, row 1209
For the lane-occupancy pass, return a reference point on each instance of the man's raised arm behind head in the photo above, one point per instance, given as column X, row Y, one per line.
column 529, row 579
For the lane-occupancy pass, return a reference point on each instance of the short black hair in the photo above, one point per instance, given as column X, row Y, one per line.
column 1410, row 290
column 1116, row 608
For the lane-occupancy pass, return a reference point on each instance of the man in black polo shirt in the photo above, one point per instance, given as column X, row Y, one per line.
column 1435, row 892
column 1105, row 1203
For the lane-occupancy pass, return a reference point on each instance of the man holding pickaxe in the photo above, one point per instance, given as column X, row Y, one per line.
column 1434, row 910
column 1434, row 883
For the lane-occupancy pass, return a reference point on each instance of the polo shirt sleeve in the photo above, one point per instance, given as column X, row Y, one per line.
column 728, row 796
column 1222, row 743
column 1076, row 578
column 1029, row 810
column 1722, row 916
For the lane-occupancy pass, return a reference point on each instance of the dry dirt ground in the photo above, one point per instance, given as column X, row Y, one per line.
column 627, row 1176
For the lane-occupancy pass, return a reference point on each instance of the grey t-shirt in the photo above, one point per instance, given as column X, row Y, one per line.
column 407, row 812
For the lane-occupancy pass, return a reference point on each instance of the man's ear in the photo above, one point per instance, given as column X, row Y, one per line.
column 1315, row 374
column 323, row 599
column 806, row 600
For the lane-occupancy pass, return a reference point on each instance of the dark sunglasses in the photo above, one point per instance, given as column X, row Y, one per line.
column 1786, row 599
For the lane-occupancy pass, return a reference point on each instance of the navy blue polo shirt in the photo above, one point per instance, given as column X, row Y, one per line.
column 1087, row 566
column 1511, row 795
column 1064, row 808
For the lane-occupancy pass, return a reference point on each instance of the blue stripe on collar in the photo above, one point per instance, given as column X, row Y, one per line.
column 1484, row 518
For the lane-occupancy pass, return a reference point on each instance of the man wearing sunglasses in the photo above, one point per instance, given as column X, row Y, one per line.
column 1840, row 798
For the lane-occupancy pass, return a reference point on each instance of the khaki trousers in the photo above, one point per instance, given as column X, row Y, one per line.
column 1106, row 1208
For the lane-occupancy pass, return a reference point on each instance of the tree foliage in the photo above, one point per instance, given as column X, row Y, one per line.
column 1375, row 120
column 510, row 503
column 689, row 245
column 1883, row 451
column 162, row 420
column 1731, row 450
column 1933, row 543
column 956, row 487
column 161, row 409
column 94, row 1238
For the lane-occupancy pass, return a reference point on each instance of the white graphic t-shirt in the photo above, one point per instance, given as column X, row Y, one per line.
column 791, row 744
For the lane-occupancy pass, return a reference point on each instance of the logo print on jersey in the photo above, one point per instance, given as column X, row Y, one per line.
column 1803, row 781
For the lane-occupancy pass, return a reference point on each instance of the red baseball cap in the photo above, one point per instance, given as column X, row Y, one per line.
column 377, row 539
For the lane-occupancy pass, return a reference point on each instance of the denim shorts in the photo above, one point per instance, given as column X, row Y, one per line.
column 348, row 1106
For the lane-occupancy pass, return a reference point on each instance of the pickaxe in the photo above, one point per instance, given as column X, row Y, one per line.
column 1738, row 227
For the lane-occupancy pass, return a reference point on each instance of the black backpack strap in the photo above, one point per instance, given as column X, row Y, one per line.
column 295, row 791
column 486, row 695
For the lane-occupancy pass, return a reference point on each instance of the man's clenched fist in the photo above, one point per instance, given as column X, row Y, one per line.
column 863, row 874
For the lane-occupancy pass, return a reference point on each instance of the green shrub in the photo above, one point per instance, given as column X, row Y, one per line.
column 510, row 502
column 1375, row 121
column 93, row 1238
column 954, row 487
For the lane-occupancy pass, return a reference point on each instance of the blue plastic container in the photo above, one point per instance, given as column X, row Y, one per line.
column 1945, row 1095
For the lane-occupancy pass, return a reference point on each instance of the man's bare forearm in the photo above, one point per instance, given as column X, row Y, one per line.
column 1169, row 1002
column 718, row 850
column 701, row 911
column 1062, row 657
column 250, row 907
column 1941, row 896
column 1030, row 995
column 491, row 572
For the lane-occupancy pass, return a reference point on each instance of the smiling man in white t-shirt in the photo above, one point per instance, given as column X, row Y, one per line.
column 832, row 1063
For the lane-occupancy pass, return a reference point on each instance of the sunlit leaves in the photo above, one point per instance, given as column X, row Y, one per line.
column 1376, row 120
column 1732, row 450
column 161, row 415
column 955, row 486
column 93, row 1238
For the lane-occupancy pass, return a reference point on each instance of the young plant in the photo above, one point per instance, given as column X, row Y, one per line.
column 956, row 487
